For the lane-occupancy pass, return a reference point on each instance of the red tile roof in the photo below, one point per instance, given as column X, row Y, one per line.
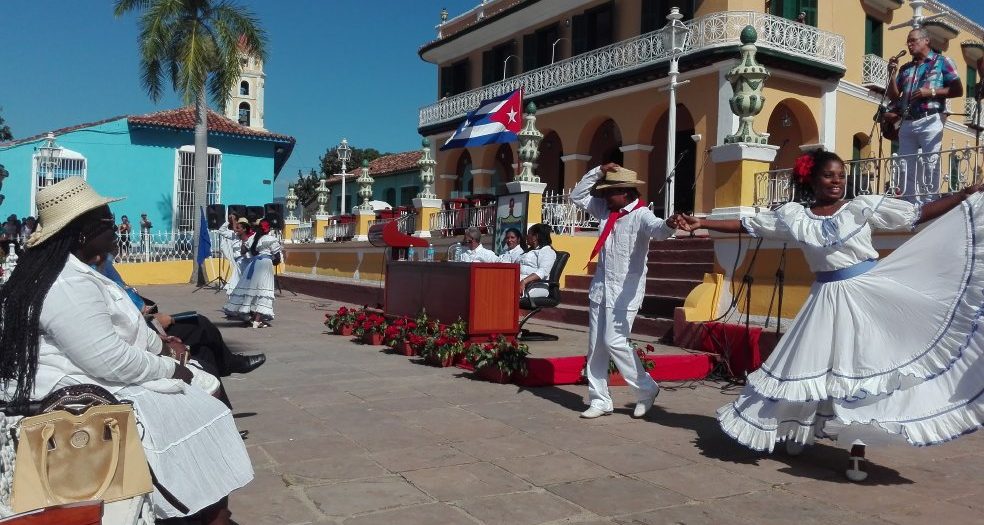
column 184, row 118
column 386, row 165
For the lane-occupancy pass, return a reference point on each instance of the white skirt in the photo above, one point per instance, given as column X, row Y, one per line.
column 253, row 293
column 192, row 445
column 896, row 351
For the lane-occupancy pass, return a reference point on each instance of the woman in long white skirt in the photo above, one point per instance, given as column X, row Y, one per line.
column 229, row 245
column 253, row 297
column 878, row 349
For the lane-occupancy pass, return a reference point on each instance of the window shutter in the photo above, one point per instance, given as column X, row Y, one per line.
column 488, row 67
column 529, row 52
column 447, row 89
column 648, row 21
column 971, row 82
column 605, row 25
column 579, row 34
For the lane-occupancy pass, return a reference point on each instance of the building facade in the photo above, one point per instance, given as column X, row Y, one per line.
column 597, row 71
column 396, row 182
column 149, row 159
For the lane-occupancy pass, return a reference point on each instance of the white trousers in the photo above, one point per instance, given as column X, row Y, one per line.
column 922, row 176
column 608, row 337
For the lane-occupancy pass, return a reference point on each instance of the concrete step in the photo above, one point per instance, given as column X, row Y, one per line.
column 646, row 326
column 671, row 270
column 683, row 243
column 654, row 285
column 652, row 305
column 682, row 256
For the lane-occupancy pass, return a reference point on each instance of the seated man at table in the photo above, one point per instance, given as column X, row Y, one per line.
column 473, row 251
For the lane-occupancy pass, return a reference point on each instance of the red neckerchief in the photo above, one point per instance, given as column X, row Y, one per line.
column 609, row 226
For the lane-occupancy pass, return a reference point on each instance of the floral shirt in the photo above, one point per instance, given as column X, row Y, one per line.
column 935, row 71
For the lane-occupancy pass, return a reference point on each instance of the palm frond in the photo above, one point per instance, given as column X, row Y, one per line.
column 125, row 6
column 245, row 24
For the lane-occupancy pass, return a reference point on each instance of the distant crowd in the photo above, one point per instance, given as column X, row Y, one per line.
column 16, row 231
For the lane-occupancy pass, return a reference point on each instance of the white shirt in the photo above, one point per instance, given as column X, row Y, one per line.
column 620, row 279
column 91, row 332
column 513, row 255
column 539, row 261
column 267, row 245
column 479, row 254
column 839, row 240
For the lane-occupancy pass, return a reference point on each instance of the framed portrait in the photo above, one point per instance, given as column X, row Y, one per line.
column 510, row 214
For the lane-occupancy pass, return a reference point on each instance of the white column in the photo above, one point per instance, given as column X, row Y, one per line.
column 828, row 111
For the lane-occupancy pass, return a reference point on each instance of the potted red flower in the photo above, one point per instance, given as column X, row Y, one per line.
column 342, row 322
column 397, row 335
column 447, row 347
column 370, row 327
column 499, row 359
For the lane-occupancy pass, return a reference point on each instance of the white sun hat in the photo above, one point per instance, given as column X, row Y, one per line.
column 61, row 203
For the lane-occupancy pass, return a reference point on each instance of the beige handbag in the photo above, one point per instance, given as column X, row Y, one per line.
column 64, row 458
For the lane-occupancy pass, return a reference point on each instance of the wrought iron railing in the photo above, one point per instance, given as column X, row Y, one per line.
column 302, row 233
column 706, row 32
column 972, row 112
column 405, row 223
column 932, row 174
column 339, row 231
column 563, row 216
column 162, row 246
column 874, row 72
column 454, row 222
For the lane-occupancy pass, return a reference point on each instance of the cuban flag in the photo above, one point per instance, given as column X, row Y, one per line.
column 496, row 121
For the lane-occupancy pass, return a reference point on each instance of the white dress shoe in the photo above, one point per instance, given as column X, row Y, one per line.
column 593, row 412
column 643, row 406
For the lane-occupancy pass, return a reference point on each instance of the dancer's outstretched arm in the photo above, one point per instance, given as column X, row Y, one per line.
column 942, row 205
column 689, row 223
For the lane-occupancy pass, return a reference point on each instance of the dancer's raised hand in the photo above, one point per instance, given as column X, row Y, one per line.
column 687, row 223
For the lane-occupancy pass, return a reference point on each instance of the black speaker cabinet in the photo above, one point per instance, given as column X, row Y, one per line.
column 215, row 215
column 274, row 212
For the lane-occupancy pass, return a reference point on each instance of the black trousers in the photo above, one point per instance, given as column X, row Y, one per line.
column 207, row 346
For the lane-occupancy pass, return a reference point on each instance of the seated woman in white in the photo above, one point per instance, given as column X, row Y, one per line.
column 535, row 264
column 473, row 250
column 66, row 324
column 514, row 246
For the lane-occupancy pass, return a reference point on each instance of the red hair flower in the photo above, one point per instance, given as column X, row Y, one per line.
column 265, row 226
column 803, row 168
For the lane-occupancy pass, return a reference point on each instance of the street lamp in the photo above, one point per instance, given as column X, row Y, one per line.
column 505, row 63
column 49, row 157
column 553, row 48
column 344, row 154
column 674, row 35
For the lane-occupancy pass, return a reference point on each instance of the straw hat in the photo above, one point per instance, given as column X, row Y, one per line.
column 620, row 178
column 61, row 203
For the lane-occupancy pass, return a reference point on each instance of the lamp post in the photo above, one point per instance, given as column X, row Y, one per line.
column 553, row 48
column 49, row 156
column 505, row 64
column 674, row 33
column 344, row 154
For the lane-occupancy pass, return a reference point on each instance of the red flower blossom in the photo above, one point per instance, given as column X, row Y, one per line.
column 803, row 168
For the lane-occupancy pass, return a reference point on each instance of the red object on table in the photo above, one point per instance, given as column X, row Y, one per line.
column 484, row 295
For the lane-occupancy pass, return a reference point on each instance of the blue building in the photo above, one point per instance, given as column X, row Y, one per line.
column 149, row 159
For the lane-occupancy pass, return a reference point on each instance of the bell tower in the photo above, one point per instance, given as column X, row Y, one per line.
column 245, row 102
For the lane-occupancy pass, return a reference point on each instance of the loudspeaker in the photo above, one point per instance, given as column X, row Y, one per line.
column 238, row 209
column 274, row 212
column 215, row 215
column 254, row 213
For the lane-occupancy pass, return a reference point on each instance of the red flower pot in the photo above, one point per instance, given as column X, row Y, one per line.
column 372, row 338
column 434, row 360
column 493, row 375
column 405, row 348
column 345, row 329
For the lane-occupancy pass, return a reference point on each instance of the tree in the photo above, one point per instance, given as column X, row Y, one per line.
column 196, row 44
column 305, row 187
column 5, row 133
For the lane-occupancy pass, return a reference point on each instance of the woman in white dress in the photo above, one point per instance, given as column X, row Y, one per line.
column 66, row 324
column 229, row 233
column 253, row 296
column 886, row 350
column 535, row 264
column 514, row 246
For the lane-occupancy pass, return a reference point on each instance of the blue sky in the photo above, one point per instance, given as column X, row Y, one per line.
column 336, row 68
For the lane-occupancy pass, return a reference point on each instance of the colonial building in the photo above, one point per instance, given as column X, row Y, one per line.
column 149, row 159
column 245, row 103
column 597, row 71
column 397, row 182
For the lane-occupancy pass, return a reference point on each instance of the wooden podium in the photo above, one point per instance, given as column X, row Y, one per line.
column 485, row 295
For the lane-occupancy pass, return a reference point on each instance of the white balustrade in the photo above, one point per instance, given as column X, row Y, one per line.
column 448, row 222
column 563, row 216
column 935, row 173
column 302, row 233
column 874, row 72
column 339, row 231
column 707, row 32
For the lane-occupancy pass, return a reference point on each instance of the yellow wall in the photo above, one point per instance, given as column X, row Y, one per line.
column 348, row 260
column 580, row 249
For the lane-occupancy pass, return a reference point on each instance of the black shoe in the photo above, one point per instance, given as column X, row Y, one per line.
column 244, row 364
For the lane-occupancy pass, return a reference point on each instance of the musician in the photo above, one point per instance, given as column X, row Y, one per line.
column 918, row 95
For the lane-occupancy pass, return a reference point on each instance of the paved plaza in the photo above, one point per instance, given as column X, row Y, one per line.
column 350, row 434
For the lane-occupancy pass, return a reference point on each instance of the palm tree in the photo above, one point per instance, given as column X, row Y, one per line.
column 197, row 44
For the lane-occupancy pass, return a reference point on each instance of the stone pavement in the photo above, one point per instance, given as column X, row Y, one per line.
column 349, row 434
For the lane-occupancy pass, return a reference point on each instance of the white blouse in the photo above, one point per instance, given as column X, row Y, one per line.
column 839, row 240
column 512, row 256
column 479, row 254
column 91, row 332
column 539, row 261
column 267, row 245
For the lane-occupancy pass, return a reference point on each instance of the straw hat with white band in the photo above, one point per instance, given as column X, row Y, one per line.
column 61, row 203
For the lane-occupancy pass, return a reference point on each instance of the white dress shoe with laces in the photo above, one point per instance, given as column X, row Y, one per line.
column 593, row 412
column 643, row 406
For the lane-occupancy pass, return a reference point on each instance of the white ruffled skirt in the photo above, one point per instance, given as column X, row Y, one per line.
column 255, row 290
column 192, row 446
column 895, row 352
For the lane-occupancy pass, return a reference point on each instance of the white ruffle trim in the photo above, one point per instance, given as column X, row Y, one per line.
column 948, row 344
column 764, row 438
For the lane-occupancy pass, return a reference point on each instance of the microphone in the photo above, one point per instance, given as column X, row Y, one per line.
column 899, row 55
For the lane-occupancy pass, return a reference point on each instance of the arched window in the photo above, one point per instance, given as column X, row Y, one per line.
column 244, row 114
column 244, row 88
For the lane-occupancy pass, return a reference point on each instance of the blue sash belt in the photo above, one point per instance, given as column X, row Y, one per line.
column 252, row 262
column 846, row 273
